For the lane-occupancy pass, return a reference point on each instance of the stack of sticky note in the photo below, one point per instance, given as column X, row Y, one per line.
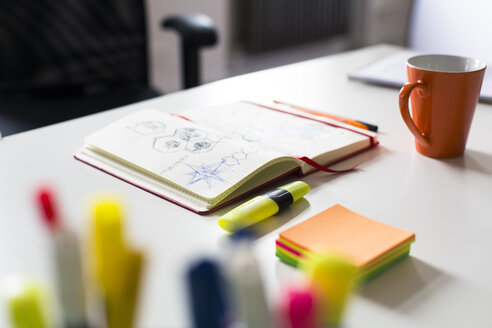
column 369, row 245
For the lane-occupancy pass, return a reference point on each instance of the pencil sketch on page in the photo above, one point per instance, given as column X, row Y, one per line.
column 257, row 133
column 146, row 128
column 190, row 155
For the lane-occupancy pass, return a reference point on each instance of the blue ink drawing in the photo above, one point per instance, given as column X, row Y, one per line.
column 206, row 173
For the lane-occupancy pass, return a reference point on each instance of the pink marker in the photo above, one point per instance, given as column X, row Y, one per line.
column 299, row 308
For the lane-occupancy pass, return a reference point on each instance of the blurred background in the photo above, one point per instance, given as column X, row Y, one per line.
column 63, row 59
column 258, row 34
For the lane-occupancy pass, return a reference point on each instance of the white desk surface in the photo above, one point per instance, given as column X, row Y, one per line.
column 446, row 282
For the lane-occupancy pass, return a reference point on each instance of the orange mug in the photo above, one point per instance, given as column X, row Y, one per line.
column 443, row 91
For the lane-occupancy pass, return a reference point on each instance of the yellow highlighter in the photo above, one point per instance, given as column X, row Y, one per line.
column 108, row 245
column 115, row 265
column 27, row 303
column 333, row 277
column 262, row 207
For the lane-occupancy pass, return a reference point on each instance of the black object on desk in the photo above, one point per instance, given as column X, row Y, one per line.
column 63, row 59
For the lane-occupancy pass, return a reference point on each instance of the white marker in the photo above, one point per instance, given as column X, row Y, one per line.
column 68, row 265
column 247, row 288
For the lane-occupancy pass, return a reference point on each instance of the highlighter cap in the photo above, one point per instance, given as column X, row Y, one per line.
column 329, row 263
column 301, row 307
column 333, row 275
column 297, row 189
column 107, row 245
column 206, row 295
column 107, row 221
column 28, row 302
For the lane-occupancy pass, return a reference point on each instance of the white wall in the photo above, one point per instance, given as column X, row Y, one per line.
column 165, row 47
column 452, row 27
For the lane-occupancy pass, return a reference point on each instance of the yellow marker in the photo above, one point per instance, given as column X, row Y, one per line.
column 262, row 207
column 107, row 245
column 124, row 313
column 27, row 302
column 333, row 276
column 115, row 267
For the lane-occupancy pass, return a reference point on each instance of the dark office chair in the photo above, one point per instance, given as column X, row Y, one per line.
column 61, row 59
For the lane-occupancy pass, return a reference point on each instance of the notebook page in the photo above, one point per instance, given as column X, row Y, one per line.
column 186, row 154
column 284, row 133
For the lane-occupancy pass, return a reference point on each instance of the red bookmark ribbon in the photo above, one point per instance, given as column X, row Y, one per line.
column 321, row 167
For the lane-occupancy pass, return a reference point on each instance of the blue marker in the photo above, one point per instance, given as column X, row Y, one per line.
column 206, row 295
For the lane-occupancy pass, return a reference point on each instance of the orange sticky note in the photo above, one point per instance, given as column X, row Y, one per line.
column 337, row 229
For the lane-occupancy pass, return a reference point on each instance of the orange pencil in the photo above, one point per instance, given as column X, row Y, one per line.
column 359, row 124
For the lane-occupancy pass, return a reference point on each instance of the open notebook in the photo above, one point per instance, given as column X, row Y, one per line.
column 206, row 158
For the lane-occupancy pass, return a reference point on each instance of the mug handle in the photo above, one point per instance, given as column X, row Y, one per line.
column 404, row 96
